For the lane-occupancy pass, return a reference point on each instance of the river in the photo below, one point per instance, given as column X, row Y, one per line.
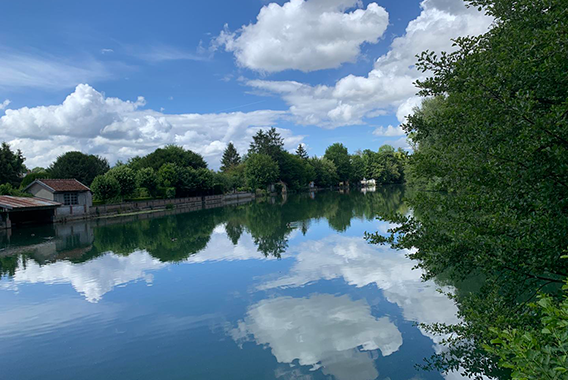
column 275, row 289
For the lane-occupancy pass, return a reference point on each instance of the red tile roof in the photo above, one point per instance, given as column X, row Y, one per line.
column 10, row 203
column 64, row 184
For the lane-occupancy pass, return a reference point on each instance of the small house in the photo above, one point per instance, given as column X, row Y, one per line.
column 75, row 198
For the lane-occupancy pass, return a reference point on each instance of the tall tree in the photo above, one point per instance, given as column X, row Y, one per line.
column 231, row 158
column 11, row 165
column 171, row 154
column 494, row 137
column 269, row 143
column 338, row 154
column 301, row 152
column 260, row 171
column 82, row 167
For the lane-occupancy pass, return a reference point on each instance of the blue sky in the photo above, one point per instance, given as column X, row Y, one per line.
column 123, row 78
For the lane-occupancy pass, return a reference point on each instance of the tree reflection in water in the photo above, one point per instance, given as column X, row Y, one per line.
column 175, row 238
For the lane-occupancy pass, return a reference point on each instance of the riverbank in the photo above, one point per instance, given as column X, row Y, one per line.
column 157, row 205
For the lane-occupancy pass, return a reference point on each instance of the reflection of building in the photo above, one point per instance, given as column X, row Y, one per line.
column 75, row 197
column 52, row 243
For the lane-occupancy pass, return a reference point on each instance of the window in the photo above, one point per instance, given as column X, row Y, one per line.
column 70, row 199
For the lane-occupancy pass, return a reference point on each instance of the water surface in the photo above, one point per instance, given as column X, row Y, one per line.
column 277, row 289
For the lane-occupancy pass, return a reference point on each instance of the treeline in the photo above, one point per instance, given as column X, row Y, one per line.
column 491, row 142
column 172, row 171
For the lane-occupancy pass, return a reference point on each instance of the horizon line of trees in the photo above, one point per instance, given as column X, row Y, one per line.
column 173, row 171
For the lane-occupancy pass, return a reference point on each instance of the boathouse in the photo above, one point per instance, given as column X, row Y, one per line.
column 75, row 198
column 22, row 210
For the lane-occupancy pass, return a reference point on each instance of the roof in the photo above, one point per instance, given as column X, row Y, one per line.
column 9, row 202
column 59, row 185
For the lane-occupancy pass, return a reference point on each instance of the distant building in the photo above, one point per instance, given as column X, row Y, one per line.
column 368, row 183
column 75, row 198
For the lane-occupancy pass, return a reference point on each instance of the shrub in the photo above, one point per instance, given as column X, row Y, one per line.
column 170, row 192
column 126, row 179
column 105, row 188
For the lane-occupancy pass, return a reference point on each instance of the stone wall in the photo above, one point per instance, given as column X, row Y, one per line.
column 185, row 204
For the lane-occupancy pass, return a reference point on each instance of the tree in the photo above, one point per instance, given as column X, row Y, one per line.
column 325, row 172
column 148, row 179
column 269, row 143
column 260, row 171
column 231, row 158
column 30, row 177
column 357, row 169
column 292, row 171
column 8, row 189
column 171, row 154
column 168, row 175
column 538, row 352
column 301, row 152
column 494, row 137
column 338, row 154
column 105, row 188
column 11, row 165
column 82, row 167
column 126, row 179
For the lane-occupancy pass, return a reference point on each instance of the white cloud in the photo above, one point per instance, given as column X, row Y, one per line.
column 389, row 131
column 361, row 264
column 5, row 104
column 389, row 86
column 321, row 331
column 94, row 278
column 49, row 72
column 161, row 53
column 107, row 51
column 305, row 35
column 89, row 121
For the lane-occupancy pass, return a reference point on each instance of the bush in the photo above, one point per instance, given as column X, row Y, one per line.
column 170, row 192
column 8, row 189
column 261, row 171
column 28, row 179
column 147, row 178
column 126, row 179
column 105, row 188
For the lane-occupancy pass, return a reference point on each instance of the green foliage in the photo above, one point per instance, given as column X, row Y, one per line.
column 293, row 171
column 105, row 188
column 231, row 158
column 126, row 179
column 325, row 172
column 171, row 154
column 148, row 179
column 82, row 167
column 260, row 171
column 168, row 175
column 494, row 137
column 301, row 152
column 11, row 165
column 268, row 143
column 387, row 166
column 338, row 154
column 536, row 353
column 8, row 189
column 170, row 192
column 357, row 169
column 30, row 177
